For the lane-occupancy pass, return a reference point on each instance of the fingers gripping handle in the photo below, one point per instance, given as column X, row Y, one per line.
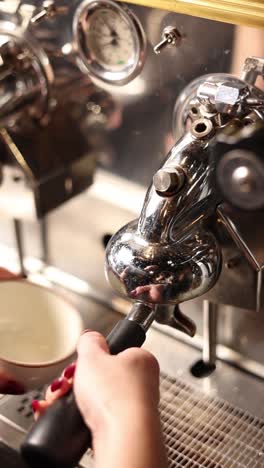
column 60, row 437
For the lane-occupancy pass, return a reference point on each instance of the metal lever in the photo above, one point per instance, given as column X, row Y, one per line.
column 49, row 9
column 170, row 37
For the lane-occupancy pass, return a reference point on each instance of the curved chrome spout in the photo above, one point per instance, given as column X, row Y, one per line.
column 160, row 212
column 167, row 256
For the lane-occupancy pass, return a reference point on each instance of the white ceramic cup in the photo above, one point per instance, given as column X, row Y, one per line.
column 39, row 331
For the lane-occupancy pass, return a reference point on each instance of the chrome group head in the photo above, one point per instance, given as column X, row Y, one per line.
column 170, row 254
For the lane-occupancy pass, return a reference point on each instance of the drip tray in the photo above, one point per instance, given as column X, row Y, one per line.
column 200, row 431
column 206, row 432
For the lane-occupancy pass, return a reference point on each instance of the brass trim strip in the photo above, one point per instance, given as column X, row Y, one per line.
column 245, row 12
column 15, row 153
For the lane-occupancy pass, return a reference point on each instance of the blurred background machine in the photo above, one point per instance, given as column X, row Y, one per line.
column 93, row 95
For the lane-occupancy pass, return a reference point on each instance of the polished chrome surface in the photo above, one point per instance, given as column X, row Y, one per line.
column 165, row 273
column 134, row 119
column 167, row 256
column 141, row 314
column 25, row 78
column 149, row 259
column 217, row 97
column 173, row 317
column 210, row 321
column 169, row 181
column 240, row 339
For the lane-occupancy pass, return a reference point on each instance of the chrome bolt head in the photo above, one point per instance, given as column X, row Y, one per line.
column 168, row 181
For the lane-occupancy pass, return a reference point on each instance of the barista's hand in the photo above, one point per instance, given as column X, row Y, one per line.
column 118, row 397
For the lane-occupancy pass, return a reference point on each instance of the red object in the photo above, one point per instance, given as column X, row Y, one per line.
column 35, row 405
column 10, row 387
column 6, row 275
column 69, row 371
column 56, row 385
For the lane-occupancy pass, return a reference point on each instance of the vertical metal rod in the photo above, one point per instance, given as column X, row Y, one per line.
column 209, row 332
column 44, row 240
column 19, row 245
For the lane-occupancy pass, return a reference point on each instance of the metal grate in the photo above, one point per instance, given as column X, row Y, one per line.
column 18, row 408
column 206, row 432
column 200, row 431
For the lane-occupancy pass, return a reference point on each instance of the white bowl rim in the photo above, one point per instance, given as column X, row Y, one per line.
column 66, row 301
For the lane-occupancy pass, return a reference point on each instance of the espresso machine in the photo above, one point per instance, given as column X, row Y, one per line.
column 132, row 181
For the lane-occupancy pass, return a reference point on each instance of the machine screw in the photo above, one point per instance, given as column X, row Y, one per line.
column 222, row 97
column 170, row 37
column 168, row 181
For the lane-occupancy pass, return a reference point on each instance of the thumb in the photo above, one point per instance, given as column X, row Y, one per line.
column 92, row 343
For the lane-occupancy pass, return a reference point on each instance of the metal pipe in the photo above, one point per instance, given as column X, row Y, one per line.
column 44, row 240
column 209, row 332
column 19, row 245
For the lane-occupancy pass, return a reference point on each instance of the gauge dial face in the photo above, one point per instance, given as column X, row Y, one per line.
column 111, row 41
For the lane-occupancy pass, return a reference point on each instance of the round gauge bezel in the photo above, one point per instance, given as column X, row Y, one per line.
column 97, row 70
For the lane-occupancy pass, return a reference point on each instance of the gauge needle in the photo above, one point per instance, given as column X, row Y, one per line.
column 113, row 42
column 112, row 31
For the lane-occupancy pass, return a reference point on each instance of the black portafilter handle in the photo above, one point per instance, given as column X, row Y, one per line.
column 60, row 437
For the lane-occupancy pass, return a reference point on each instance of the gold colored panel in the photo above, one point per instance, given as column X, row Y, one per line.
column 246, row 12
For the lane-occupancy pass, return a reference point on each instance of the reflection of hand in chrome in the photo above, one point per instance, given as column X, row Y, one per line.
column 149, row 292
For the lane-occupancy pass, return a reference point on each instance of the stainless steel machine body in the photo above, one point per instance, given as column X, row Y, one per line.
column 69, row 123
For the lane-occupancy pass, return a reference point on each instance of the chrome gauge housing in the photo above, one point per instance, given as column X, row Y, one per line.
column 110, row 41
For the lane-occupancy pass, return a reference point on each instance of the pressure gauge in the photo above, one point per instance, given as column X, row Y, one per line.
column 110, row 41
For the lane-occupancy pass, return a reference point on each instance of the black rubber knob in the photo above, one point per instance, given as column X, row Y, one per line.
column 60, row 437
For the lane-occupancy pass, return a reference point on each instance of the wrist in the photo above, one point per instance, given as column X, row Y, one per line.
column 135, row 435
column 132, row 417
column 127, row 424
